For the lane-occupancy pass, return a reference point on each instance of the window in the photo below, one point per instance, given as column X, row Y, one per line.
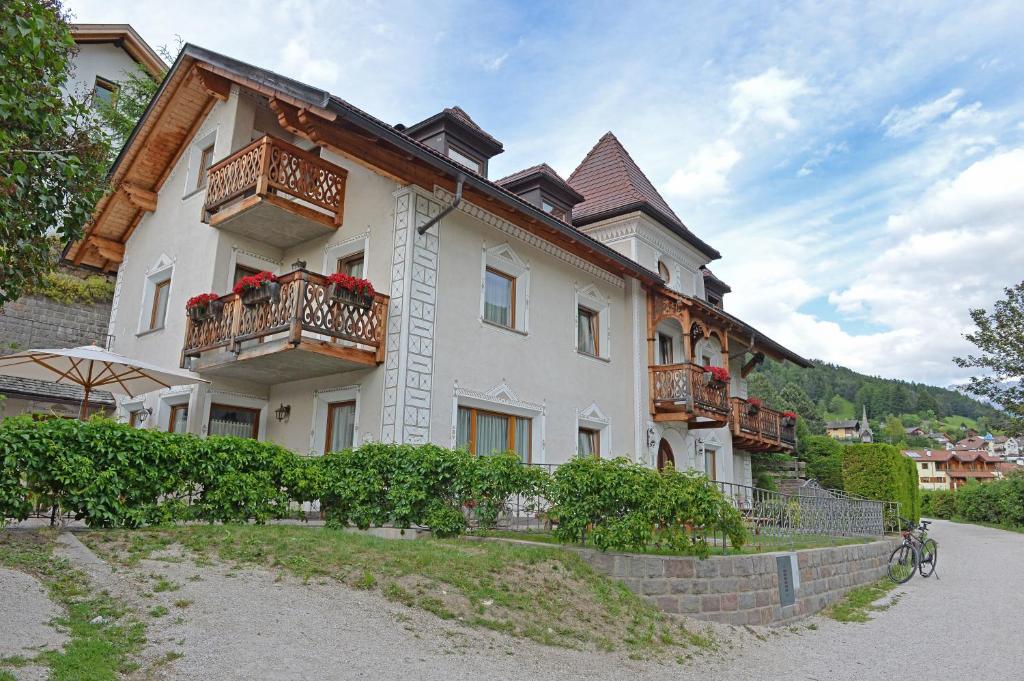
column 485, row 432
column 665, row 348
column 104, row 92
column 554, row 210
column 341, row 418
column 351, row 264
column 135, row 418
column 205, row 161
column 237, row 421
column 179, row 419
column 463, row 159
column 588, row 442
column 242, row 271
column 499, row 298
column 710, row 468
column 663, row 271
column 587, row 331
column 158, row 313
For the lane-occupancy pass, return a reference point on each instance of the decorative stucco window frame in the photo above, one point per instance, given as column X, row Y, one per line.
column 505, row 260
column 256, row 261
column 591, row 298
column 162, row 269
column 594, row 419
column 233, row 399
column 321, row 400
column 195, row 156
column 129, row 404
column 701, row 447
column 359, row 243
column 173, row 397
column 503, row 400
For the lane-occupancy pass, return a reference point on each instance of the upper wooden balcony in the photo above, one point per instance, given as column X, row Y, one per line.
column 761, row 429
column 274, row 192
column 302, row 333
column 685, row 392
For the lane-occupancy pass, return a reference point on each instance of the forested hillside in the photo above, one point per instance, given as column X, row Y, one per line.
column 827, row 391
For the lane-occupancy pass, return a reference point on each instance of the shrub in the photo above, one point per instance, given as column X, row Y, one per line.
column 938, row 504
column 619, row 505
column 880, row 471
column 500, row 477
column 824, row 457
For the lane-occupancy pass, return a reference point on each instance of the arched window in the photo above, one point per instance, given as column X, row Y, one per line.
column 663, row 271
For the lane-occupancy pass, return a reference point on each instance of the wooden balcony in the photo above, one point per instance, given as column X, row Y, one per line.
column 683, row 392
column 275, row 192
column 302, row 334
column 760, row 430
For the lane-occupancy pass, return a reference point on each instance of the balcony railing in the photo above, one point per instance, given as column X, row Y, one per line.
column 761, row 429
column 303, row 306
column 686, row 388
column 271, row 166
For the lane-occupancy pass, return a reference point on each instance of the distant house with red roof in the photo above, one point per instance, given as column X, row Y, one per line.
column 950, row 470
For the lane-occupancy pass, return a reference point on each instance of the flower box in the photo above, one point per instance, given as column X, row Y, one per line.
column 788, row 419
column 204, row 306
column 258, row 288
column 753, row 405
column 716, row 376
column 349, row 290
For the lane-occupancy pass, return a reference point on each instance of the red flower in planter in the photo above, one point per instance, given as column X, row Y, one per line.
column 789, row 415
column 253, row 281
column 202, row 300
column 349, row 283
column 720, row 374
column 755, row 402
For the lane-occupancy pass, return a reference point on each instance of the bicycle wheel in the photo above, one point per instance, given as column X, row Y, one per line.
column 902, row 563
column 929, row 556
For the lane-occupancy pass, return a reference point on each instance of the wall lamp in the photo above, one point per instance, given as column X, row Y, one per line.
column 283, row 412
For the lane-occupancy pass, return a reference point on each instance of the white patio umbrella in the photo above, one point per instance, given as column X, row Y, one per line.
column 91, row 367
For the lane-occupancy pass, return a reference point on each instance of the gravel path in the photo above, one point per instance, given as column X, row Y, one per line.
column 243, row 624
column 25, row 613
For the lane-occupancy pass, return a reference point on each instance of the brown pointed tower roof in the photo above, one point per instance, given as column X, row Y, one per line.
column 613, row 184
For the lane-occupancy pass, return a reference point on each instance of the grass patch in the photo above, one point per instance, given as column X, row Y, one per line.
column 540, row 593
column 158, row 611
column 182, row 603
column 859, row 603
column 94, row 652
column 163, row 584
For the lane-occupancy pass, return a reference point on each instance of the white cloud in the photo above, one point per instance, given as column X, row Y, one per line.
column 767, row 98
column 901, row 122
column 821, row 156
column 493, row 63
column 706, row 173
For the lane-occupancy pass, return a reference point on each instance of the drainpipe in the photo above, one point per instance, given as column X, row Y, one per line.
column 455, row 204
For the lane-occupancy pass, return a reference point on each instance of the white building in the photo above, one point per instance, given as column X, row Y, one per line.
column 546, row 316
column 106, row 55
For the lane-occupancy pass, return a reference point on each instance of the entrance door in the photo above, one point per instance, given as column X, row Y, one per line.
column 665, row 455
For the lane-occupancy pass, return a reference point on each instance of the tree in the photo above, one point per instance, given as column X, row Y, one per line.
column 793, row 397
column 1000, row 338
column 52, row 152
column 893, row 431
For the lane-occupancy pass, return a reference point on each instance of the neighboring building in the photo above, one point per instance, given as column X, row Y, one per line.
column 552, row 317
column 944, row 469
column 1007, row 447
column 852, row 430
column 916, row 431
column 940, row 438
column 106, row 52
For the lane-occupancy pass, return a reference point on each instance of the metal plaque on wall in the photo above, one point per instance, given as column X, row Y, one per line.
column 788, row 580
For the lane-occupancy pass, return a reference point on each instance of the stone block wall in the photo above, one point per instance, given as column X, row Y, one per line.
column 744, row 589
column 35, row 321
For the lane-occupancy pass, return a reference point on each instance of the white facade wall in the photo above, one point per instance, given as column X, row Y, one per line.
column 440, row 353
column 105, row 60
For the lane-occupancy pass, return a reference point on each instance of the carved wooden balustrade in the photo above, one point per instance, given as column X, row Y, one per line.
column 271, row 166
column 761, row 429
column 304, row 306
column 686, row 390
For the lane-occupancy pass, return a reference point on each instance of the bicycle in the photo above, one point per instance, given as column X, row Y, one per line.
column 917, row 553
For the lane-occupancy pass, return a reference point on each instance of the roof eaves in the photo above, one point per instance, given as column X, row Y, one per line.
column 642, row 205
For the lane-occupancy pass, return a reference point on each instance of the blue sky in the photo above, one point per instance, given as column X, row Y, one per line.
column 860, row 165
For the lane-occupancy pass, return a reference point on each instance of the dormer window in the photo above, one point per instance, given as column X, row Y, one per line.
column 463, row 159
column 541, row 186
column 556, row 211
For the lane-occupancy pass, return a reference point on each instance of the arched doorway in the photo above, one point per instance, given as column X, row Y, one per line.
column 665, row 455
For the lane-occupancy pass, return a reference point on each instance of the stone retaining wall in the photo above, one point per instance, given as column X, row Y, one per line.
column 744, row 589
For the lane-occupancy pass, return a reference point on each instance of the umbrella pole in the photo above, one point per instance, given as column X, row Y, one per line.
column 85, row 404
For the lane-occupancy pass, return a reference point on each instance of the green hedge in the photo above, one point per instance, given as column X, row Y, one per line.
column 623, row 506
column 880, row 471
column 938, row 503
column 112, row 475
column 999, row 501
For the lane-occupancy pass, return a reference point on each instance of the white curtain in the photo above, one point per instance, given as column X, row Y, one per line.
column 523, row 438
column 226, row 427
column 180, row 422
column 491, row 434
column 585, row 443
column 462, row 433
column 498, row 299
column 343, row 418
column 585, row 333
